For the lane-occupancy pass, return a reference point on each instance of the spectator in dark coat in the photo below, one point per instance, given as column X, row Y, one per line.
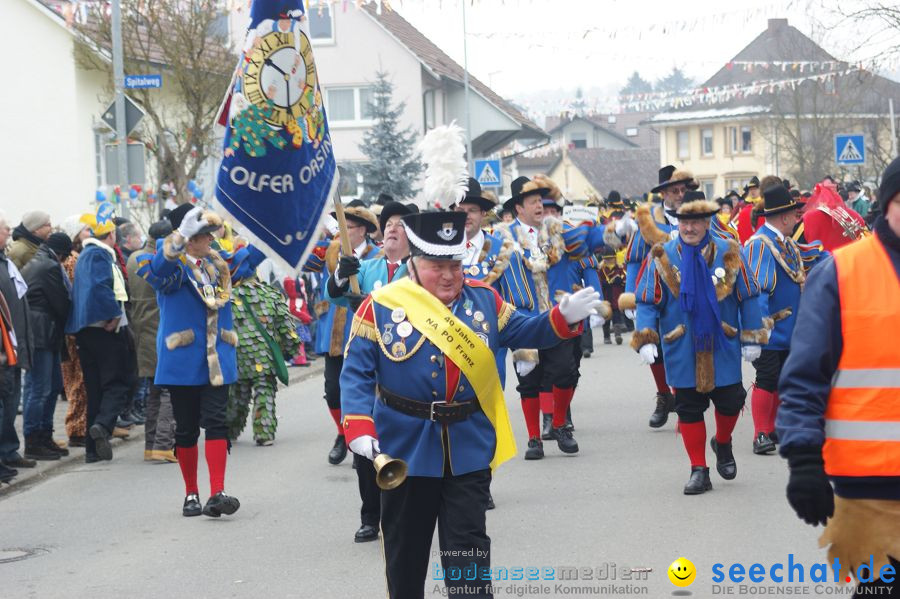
column 49, row 299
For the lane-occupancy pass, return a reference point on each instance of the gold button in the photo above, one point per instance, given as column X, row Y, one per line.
column 434, row 375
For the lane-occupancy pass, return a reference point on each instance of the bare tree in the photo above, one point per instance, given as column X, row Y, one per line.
column 187, row 40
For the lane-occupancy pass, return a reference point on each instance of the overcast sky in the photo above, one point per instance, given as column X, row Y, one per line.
column 523, row 46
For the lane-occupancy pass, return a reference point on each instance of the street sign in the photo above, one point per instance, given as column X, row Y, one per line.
column 135, row 164
column 143, row 81
column 487, row 173
column 850, row 149
column 133, row 115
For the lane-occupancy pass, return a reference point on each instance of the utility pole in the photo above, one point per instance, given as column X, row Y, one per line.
column 119, row 80
column 469, row 156
column 893, row 129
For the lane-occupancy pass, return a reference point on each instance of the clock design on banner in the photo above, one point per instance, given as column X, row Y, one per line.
column 278, row 76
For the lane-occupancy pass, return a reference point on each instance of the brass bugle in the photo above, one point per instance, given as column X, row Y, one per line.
column 391, row 472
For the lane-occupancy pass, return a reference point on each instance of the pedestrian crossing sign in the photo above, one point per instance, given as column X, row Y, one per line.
column 487, row 173
column 850, row 149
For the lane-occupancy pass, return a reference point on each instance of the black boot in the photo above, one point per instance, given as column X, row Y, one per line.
column 338, row 452
column 36, row 449
column 762, row 444
column 569, row 418
column 607, row 340
column 101, row 441
column 50, row 444
column 535, row 450
column 725, row 464
column 699, row 481
column 773, row 437
column 547, row 428
column 7, row 474
column 618, row 339
column 366, row 533
column 565, row 440
column 665, row 403
column 219, row 504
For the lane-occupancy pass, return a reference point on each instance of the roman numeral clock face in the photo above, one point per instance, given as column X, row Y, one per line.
column 281, row 70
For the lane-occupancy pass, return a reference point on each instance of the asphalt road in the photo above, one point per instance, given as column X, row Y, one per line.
column 115, row 528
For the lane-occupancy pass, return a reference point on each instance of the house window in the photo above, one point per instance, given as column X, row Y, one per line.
column 611, row 119
column 351, row 180
column 731, row 140
column 321, row 24
column 746, row 140
column 428, row 101
column 631, row 132
column 706, row 142
column 349, row 105
column 736, row 183
column 708, row 187
column 579, row 140
column 684, row 145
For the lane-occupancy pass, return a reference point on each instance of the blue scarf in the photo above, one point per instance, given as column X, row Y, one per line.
column 698, row 298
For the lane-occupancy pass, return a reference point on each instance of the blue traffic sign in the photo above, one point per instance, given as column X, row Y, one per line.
column 487, row 173
column 850, row 149
column 143, row 81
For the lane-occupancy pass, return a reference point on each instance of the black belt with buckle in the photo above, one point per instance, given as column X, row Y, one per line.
column 436, row 411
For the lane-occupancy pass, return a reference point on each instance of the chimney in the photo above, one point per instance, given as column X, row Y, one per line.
column 776, row 25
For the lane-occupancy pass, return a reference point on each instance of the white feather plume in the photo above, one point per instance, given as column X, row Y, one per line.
column 443, row 151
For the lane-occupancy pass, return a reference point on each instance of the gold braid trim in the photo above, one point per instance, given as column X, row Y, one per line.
column 797, row 276
column 506, row 312
column 363, row 328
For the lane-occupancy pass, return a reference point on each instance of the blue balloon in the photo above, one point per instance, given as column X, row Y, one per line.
column 192, row 185
column 100, row 197
column 198, row 193
column 132, row 193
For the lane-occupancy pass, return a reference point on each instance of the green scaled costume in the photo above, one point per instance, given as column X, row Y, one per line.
column 255, row 362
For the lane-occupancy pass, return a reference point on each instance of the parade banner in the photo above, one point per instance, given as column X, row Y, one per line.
column 278, row 171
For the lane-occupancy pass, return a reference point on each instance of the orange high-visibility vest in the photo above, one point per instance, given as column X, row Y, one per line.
column 862, row 420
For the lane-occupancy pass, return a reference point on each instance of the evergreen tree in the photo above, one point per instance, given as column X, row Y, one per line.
column 393, row 165
column 675, row 81
column 636, row 85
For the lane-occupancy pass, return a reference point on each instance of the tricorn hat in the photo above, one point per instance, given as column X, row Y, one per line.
column 669, row 176
column 358, row 213
column 754, row 182
column 777, row 199
column 694, row 207
column 436, row 235
column 474, row 195
column 614, row 199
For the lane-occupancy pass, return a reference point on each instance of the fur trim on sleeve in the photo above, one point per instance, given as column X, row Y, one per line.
column 501, row 263
column 179, row 339
column 729, row 330
column 768, row 323
column 605, row 310
column 732, row 260
column 647, row 226
column 627, row 301
column 664, row 268
column 332, row 255
column 755, row 336
column 782, row 314
column 643, row 337
column 610, row 238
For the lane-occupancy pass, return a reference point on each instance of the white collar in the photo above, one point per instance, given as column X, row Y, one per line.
column 777, row 232
column 673, row 220
column 360, row 250
column 527, row 228
column 192, row 259
column 478, row 240
column 98, row 243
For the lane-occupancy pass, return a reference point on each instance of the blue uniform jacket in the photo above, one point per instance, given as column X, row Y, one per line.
column 805, row 383
column 657, row 300
column 93, row 299
column 423, row 374
column 779, row 274
column 195, row 344
column 333, row 327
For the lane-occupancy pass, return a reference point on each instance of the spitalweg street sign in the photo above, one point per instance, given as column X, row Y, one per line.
column 143, row 81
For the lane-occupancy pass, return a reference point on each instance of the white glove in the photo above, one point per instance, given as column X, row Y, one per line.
column 630, row 314
column 597, row 321
column 366, row 446
column 751, row 352
column 579, row 305
column 192, row 222
column 523, row 367
column 648, row 353
column 621, row 227
column 625, row 225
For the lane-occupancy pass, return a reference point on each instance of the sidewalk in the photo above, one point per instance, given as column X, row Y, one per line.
column 31, row 476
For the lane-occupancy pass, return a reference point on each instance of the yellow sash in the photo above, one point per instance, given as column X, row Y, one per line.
column 463, row 347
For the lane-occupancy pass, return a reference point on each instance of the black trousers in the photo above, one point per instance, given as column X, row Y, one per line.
column 690, row 404
column 333, row 365
column 408, row 515
column 768, row 368
column 558, row 367
column 106, row 363
column 197, row 406
column 587, row 337
column 369, row 493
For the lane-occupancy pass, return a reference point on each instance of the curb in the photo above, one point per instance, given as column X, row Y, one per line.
column 28, row 477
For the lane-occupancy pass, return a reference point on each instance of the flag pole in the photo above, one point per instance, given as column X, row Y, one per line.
column 345, row 238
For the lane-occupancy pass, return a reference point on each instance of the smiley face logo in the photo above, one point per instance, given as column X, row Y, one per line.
column 682, row 572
